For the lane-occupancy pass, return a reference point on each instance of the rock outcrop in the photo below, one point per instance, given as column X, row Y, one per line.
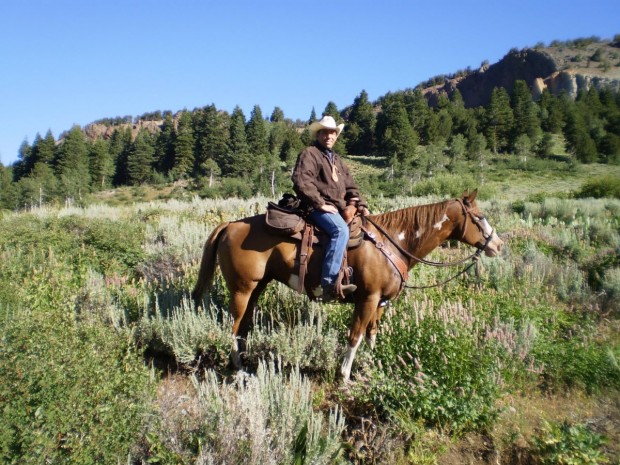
column 102, row 131
column 558, row 69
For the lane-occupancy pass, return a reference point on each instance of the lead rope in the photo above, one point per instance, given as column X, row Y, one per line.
column 463, row 271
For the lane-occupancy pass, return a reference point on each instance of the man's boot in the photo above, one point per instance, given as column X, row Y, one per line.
column 329, row 292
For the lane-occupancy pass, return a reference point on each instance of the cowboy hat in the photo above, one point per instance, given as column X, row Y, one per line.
column 327, row 122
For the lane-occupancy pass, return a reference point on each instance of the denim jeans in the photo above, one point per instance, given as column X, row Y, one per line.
column 335, row 227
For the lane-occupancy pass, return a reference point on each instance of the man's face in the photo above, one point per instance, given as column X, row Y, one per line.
column 327, row 138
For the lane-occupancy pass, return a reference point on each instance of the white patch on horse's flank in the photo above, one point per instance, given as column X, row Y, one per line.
column 439, row 224
column 418, row 233
column 401, row 236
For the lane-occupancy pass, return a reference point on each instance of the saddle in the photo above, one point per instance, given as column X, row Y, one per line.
column 287, row 220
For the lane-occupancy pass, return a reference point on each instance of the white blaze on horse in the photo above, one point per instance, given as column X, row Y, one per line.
column 250, row 256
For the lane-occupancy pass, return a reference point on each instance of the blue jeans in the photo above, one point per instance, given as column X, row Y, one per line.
column 335, row 227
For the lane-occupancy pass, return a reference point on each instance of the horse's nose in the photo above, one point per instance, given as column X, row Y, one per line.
column 500, row 244
column 495, row 246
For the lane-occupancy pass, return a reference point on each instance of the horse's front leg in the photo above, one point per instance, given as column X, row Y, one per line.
column 363, row 315
column 373, row 327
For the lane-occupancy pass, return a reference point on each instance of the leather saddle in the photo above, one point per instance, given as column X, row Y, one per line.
column 287, row 220
column 290, row 222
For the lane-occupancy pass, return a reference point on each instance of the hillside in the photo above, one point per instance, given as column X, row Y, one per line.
column 569, row 66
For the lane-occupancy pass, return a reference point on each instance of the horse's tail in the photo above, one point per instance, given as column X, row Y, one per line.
column 208, row 264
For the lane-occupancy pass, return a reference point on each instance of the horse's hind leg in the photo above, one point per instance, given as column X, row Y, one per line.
column 242, row 305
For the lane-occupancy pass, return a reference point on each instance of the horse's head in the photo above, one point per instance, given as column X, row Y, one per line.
column 475, row 229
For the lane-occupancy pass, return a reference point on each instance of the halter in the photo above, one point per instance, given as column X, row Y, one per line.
column 468, row 214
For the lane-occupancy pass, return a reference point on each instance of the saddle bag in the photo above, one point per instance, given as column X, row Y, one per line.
column 283, row 221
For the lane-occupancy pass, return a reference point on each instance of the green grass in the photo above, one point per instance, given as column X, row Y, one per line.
column 88, row 294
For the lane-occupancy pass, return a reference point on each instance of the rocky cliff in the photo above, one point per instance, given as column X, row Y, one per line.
column 105, row 131
column 568, row 67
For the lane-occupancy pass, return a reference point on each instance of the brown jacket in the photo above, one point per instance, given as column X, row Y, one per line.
column 314, row 184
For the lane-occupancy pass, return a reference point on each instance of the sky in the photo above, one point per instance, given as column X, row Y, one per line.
column 68, row 62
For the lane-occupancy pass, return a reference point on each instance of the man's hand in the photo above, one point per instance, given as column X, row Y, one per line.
column 329, row 208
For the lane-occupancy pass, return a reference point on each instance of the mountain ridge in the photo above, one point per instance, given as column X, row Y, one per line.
column 569, row 66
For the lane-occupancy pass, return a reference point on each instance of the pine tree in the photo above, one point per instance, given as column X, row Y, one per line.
column 25, row 163
column 39, row 187
column 212, row 132
column 238, row 161
column 552, row 116
column 101, row 165
column 499, row 120
column 183, row 148
column 291, row 146
column 72, row 164
column 332, row 110
column 266, row 162
column 420, row 115
column 256, row 133
column 524, row 109
column 456, row 151
column 8, row 191
column 277, row 115
column 577, row 137
column 312, row 118
column 140, row 159
column 119, row 147
column 461, row 118
column 444, row 126
column 46, row 149
column 397, row 138
column 360, row 128
column 164, row 146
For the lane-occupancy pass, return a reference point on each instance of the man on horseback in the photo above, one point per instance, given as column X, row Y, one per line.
column 325, row 187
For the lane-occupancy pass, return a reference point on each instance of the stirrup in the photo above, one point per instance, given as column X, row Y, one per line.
column 329, row 292
column 348, row 289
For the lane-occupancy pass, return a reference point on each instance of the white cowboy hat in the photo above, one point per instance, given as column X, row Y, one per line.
column 327, row 122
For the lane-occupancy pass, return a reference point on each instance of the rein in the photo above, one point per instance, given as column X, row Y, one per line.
column 474, row 256
column 422, row 260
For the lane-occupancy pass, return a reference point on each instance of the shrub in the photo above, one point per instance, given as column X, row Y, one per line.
column 188, row 334
column 444, row 184
column 306, row 343
column 568, row 444
column 431, row 362
column 610, row 288
column 69, row 393
column 570, row 358
column 236, row 187
column 606, row 186
column 263, row 419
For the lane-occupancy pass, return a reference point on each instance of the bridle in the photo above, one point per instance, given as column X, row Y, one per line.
column 468, row 214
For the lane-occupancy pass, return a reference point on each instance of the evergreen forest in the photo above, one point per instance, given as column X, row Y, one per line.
column 219, row 154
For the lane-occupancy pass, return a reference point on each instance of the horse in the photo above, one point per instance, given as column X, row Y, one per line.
column 250, row 256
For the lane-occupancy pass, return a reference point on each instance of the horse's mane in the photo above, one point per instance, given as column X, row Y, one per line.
column 416, row 222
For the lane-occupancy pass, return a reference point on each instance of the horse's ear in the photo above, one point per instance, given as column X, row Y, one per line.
column 469, row 197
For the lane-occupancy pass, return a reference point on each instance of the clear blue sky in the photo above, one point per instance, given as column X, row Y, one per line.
column 66, row 62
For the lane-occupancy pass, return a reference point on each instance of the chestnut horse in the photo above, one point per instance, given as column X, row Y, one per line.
column 250, row 257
